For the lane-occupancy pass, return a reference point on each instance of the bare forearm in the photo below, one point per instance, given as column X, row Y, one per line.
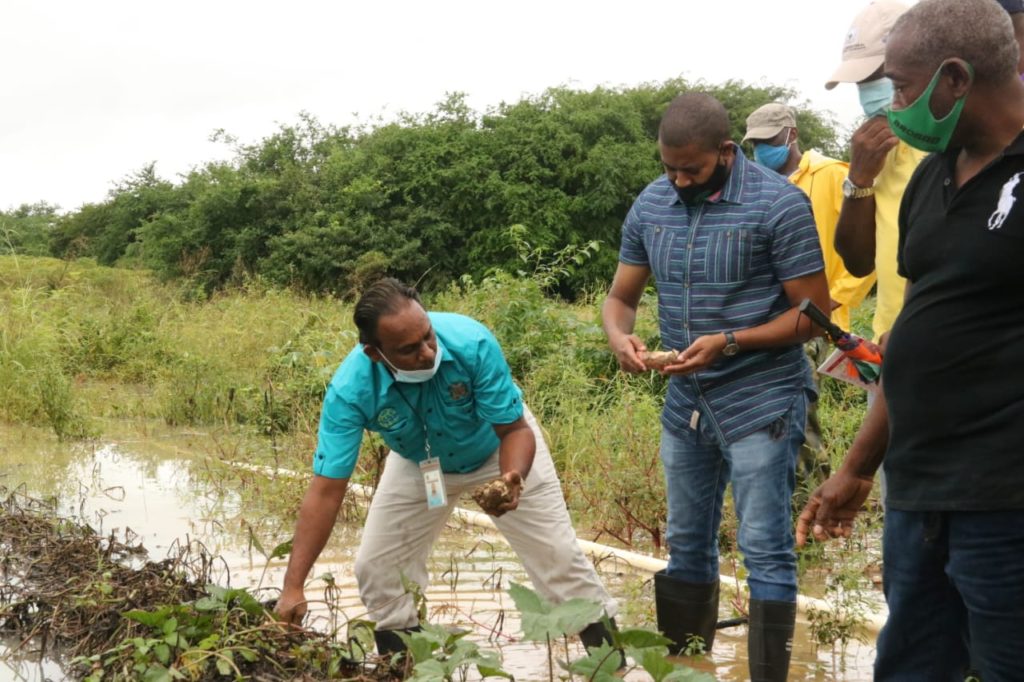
column 617, row 317
column 855, row 236
column 317, row 515
column 791, row 327
column 517, row 450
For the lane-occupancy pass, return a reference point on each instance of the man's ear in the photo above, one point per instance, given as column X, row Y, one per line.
column 960, row 74
column 372, row 352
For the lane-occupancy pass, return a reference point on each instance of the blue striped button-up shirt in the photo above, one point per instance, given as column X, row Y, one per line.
column 719, row 267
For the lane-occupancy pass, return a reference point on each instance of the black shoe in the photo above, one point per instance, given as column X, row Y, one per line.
column 388, row 641
column 770, row 639
column 596, row 634
column 686, row 609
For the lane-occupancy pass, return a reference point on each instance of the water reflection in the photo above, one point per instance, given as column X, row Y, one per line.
column 154, row 486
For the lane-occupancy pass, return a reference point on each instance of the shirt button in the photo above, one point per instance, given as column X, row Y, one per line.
column 437, row 433
column 658, row 228
column 689, row 246
column 946, row 182
column 686, row 285
column 686, row 325
column 429, row 410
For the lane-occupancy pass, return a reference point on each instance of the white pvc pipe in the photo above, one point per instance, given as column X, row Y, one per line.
column 873, row 621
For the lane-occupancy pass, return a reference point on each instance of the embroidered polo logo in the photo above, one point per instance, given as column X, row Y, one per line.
column 387, row 418
column 458, row 390
column 1006, row 202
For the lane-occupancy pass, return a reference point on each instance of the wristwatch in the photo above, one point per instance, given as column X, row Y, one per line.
column 731, row 347
column 852, row 191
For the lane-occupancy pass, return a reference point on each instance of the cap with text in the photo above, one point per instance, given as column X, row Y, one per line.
column 864, row 49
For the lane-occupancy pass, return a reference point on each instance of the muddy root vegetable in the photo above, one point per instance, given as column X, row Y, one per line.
column 659, row 359
column 491, row 496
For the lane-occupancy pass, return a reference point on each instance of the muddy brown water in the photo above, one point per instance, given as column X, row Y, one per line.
column 146, row 479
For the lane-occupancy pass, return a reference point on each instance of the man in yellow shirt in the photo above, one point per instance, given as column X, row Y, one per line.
column 866, row 234
column 773, row 132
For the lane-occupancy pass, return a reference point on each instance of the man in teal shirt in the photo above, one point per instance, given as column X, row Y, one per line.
column 438, row 390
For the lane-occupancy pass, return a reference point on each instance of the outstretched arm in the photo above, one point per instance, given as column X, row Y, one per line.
column 317, row 515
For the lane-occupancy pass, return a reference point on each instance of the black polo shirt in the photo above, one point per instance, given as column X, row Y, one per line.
column 954, row 368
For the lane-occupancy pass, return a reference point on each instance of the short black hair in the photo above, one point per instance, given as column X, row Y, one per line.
column 694, row 118
column 386, row 296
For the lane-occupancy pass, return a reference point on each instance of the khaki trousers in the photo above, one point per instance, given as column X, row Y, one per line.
column 400, row 532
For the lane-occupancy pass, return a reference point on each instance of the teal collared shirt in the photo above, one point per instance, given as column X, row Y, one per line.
column 471, row 392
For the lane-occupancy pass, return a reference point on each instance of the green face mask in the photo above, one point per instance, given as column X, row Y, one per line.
column 918, row 127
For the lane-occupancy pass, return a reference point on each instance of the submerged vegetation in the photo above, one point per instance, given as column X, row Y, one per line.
column 108, row 612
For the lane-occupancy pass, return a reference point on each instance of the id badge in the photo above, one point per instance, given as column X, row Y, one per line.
column 433, row 482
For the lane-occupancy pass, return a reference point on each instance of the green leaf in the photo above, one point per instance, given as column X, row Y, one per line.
column 601, row 663
column 248, row 654
column 638, row 638
column 572, row 616
column 248, row 603
column 430, row 670
column 527, row 601
column 219, row 593
column 684, row 674
column 209, row 604
column 488, row 664
column 655, row 663
column 170, row 625
column 156, row 673
column 282, row 550
column 254, row 541
column 420, row 645
column 153, row 619
column 224, row 667
column 162, row 653
column 208, row 643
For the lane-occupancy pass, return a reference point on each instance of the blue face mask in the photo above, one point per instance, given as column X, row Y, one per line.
column 875, row 96
column 771, row 156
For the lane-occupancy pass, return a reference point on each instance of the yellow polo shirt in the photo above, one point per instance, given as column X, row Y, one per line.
column 889, row 186
column 821, row 179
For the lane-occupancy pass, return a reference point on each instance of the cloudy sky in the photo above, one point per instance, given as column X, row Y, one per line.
column 94, row 90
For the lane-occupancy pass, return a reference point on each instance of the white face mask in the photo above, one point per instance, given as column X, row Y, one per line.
column 414, row 376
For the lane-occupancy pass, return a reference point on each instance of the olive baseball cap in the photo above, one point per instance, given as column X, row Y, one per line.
column 766, row 122
column 864, row 48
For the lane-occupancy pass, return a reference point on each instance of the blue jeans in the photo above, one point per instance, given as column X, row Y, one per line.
column 761, row 467
column 954, row 582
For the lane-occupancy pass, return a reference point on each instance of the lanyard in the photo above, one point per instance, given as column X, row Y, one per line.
column 430, row 468
column 416, row 414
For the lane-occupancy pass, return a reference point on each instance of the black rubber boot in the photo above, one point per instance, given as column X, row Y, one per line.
column 596, row 634
column 686, row 609
column 770, row 639
column 388, row 641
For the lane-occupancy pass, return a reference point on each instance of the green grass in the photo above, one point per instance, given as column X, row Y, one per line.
column 81, row 343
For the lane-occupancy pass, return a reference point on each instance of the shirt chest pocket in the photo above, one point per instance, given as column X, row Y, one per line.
column 458, row 399
column 664, row 246
column 726, row 255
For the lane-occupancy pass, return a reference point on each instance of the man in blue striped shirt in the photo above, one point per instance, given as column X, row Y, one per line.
column 733, row 249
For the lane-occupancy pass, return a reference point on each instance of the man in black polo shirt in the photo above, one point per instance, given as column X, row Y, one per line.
column 953, row 437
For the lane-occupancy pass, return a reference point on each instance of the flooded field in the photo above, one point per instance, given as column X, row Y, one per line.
column 156, row 481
